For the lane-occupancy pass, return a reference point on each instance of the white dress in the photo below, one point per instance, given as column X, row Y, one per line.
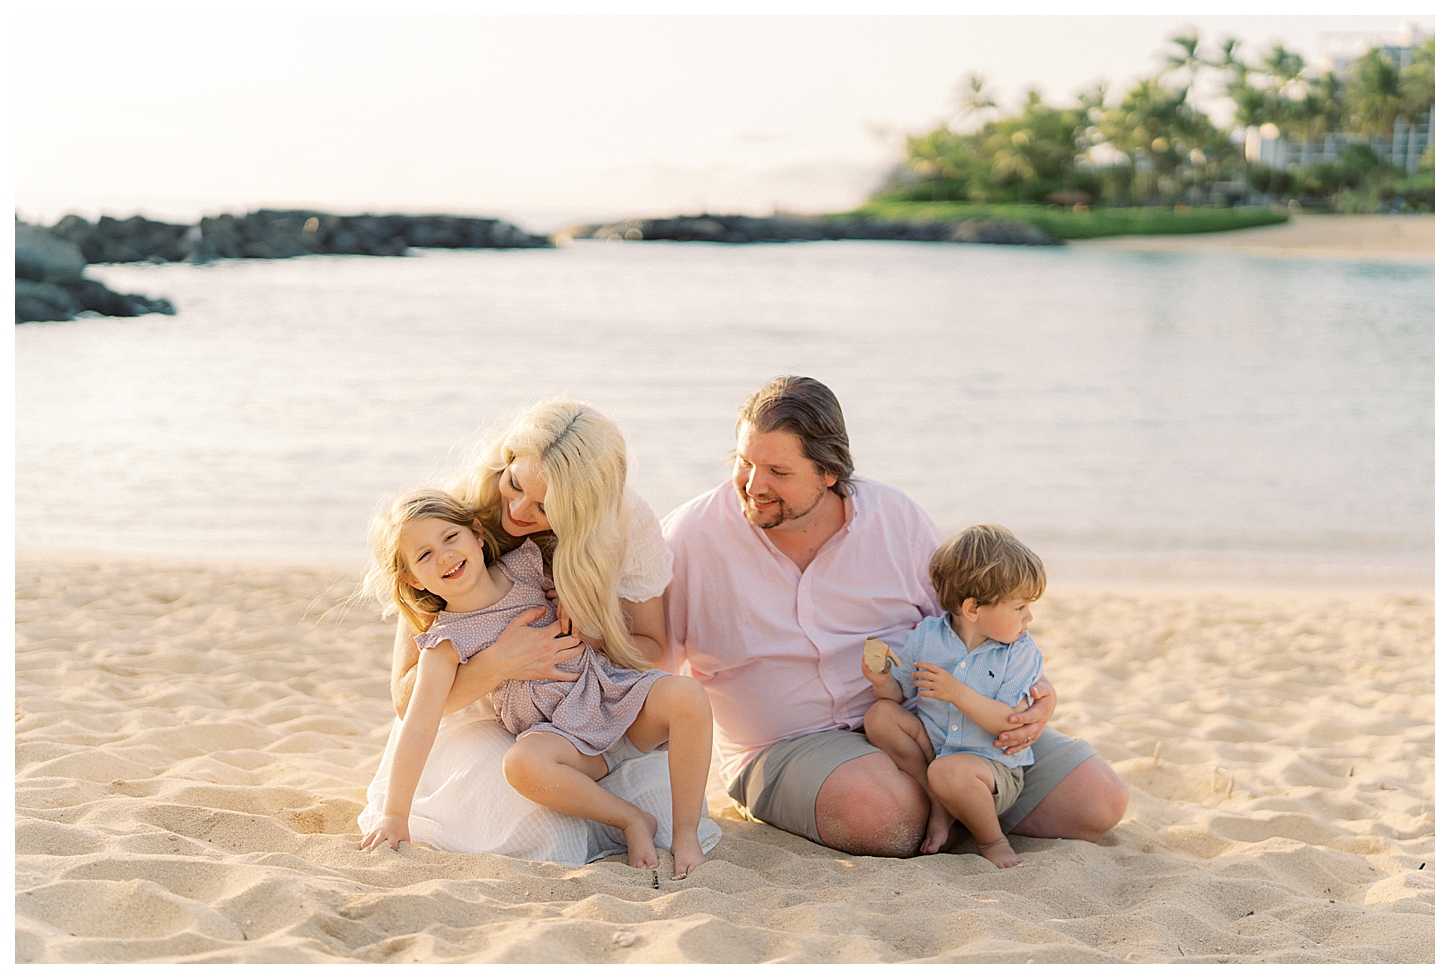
column 463, row 803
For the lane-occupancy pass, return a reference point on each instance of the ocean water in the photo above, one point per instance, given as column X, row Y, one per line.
column 1116, row 409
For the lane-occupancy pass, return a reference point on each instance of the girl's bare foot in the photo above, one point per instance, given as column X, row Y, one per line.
column 688, row 855
column 938, row 826
column 1000, row 853
column 639, row 836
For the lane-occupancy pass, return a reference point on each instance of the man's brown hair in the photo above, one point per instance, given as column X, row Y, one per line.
column 988, row 563
column 806, row 408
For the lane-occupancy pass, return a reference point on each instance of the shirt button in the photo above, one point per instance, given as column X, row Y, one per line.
column 954, row 727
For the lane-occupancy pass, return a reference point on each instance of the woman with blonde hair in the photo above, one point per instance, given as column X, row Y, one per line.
column 556, row 477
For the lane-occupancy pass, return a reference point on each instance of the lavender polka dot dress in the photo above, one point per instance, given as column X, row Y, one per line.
column 591, row 711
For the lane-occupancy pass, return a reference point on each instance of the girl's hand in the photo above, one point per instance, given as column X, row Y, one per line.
column 936, row 683
column 524, row 653
column 1031, row 721
column 393, row 830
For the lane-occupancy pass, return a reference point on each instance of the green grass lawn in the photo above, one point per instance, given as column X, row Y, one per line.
column 1067, row 223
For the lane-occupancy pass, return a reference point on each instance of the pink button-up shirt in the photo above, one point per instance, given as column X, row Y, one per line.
column 779, row 649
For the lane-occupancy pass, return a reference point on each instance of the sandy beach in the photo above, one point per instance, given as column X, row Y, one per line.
column 1381, row 237
column 193, row 745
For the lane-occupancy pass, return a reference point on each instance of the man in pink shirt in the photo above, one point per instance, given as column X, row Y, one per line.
column 780, row 576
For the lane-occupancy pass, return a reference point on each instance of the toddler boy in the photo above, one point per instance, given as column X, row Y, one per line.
column 970, row 668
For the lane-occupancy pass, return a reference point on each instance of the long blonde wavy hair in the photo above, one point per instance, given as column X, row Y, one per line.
column 387, row 578
column 582, row 456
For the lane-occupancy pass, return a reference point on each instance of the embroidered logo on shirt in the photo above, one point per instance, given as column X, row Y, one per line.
column 991, row 674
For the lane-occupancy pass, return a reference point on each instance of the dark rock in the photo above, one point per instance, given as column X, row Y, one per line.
column 43, row 301
column 285, row 234
column 135, row 239
column 741, row 229
column 1000, row 232
column 98, row 299
column 42, row 257
column 49, row 285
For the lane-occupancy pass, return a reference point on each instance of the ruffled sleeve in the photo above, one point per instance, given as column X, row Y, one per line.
column 525, row 564
column 647, row 560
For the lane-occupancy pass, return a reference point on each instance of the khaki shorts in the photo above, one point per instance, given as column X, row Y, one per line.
column 1009, row 783
column 780, row 784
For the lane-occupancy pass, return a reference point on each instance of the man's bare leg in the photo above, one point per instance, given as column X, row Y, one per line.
column 1083, row 806
column 899, row 733
column 869, row 807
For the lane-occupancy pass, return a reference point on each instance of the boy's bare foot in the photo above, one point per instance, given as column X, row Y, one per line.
column 688, row 855
column 639, row 836
column 1000, row 853
column 938, row 827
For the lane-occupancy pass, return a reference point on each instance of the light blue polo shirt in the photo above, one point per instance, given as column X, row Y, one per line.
column 1002, row 671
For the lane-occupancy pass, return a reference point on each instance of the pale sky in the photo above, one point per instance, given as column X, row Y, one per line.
column 541, row 119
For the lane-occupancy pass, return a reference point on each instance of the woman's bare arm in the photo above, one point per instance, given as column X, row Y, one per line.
column 646, row 623
column 519, row 653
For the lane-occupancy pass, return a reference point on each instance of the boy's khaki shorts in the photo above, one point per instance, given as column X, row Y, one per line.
column 1009, row 783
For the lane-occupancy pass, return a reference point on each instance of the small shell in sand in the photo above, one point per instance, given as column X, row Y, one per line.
column 876, row 655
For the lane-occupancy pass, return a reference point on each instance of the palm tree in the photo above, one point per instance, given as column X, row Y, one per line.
column 1187, row 57
column 1374, row 95
column 1156, row 121
column 1321, row 111
column 1417, row 83
column 973, row 97
column 1228, row 57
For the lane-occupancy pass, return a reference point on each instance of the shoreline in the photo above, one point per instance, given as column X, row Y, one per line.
column 1339, row 572
column 193, row 743
column 1378, row 237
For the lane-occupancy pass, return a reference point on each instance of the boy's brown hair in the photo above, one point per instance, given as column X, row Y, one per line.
column 988, row 563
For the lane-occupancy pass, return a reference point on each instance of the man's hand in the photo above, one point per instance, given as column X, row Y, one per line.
column 938, row 684
column 393, row 830
column 1031, row 721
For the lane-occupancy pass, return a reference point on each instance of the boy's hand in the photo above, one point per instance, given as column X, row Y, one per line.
column 880, row 682
column 936, row 683
column 393, row 830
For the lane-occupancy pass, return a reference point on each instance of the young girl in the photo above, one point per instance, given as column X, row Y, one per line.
column 445, row 573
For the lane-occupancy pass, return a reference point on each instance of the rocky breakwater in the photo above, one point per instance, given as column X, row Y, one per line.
column 285, row 234
column 50, row 283
column 743, row 229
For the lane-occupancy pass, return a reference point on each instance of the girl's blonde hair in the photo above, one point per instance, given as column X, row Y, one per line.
column 582, row 456
column 387, row 578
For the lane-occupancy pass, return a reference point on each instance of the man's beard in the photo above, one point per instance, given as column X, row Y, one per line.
column 758, row 518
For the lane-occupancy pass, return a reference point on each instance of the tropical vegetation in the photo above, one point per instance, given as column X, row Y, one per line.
column 1156, row 155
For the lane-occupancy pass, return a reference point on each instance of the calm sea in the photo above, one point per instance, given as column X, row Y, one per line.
column 1148, row 414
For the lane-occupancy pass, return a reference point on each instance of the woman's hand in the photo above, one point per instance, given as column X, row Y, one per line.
column 522, row 652
column 566, row 624
column 392, row 831
column 519, row 653
column 1031, row 721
